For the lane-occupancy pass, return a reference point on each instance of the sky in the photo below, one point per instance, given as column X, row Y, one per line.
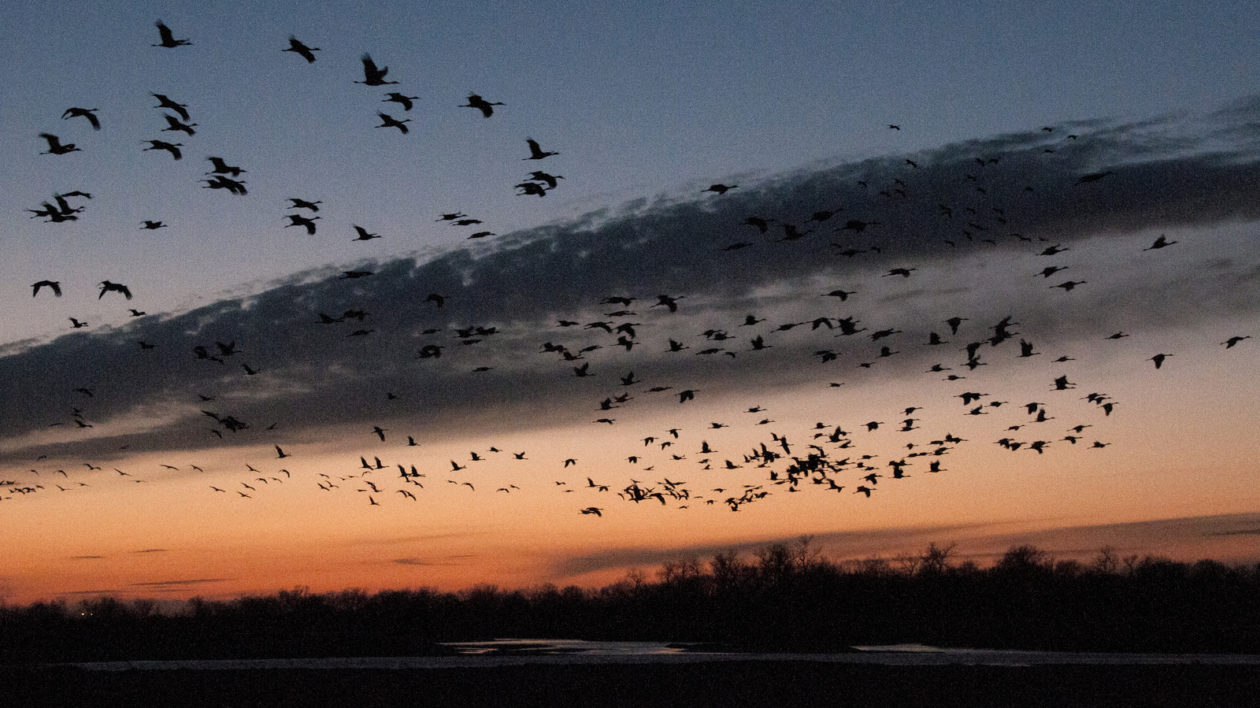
column 725, row 324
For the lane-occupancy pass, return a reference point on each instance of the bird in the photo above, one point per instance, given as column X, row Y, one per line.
column 1159, row 359
column 304, row 221
column 548, row 179
column 373, row 75
column 304, row 204
column 301, row 49
column 720, row 188
column 152, row 225
column 388, row 121
column 1160, row 242
column 166, row 102
column 172, row 148
column 174, row 124
column 56, row 147
column 281, row 454
column 536, row 152
column 168, row 39
column 481, row 104
column 220, row 166
column 1228, row 343
column 364, row 234
column 55, row 286
column 400, row 99
column 107, row 286
column 89, row 113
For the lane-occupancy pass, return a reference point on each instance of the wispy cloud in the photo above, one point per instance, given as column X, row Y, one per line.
column 969, row 218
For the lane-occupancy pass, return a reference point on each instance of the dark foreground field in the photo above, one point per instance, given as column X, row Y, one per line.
column 718, row 683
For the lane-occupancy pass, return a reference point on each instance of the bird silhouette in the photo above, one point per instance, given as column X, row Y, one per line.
column 56, row 147
column 372, row 75
column 168, row 39
column 536, row 152
column 172, row 148
column 88, row 113
column 307, row 53
column 296, row 203
column 55, row 286
column 166, row 102
column 481, row 104
column 388, row 121
column 400, row 99
column 174, row 124
column 107, row 286
column 308, row 222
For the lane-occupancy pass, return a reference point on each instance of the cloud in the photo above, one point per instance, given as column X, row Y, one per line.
column 981, row 541
column 969, row 218
column 451, row 560
column 175, row 584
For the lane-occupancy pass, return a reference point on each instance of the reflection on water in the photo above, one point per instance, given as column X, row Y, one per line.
column 515, row 652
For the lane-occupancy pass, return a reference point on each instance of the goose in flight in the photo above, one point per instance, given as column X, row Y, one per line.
column 89, row 113
column 388, row 121
column 222, row 167
column 1160, row 242
column 301, row 49
column 152, row 225
column 174, row 124
column 400, row 99
column 364, row 234
column 168, row 39
column 1228, row 343
column 548, row 179
column 166, row 102
column 304, row 221
column 55, row 286
column 107, row 286
column 373, row 75
column 536, row 152
column 305, row 204
column 56, row 147
column 481, row 104
column 172, row 148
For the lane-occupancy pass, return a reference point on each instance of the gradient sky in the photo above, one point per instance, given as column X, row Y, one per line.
column 1001, row 109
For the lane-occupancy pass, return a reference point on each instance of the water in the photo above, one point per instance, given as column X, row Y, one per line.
column 517, row 652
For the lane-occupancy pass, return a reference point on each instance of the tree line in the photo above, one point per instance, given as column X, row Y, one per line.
column 783, row 597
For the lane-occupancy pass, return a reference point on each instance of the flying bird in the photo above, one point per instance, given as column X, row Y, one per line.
column 56, row 147
column 388, row 121
column 172, row 148
column 481, row 104
column 400, row 99
column 168, row 39
column 107, row 286
column 89, row 113
column 536, row 152
column 297, row 47
column 55, row 286
column 373, row 75
column 166, row 102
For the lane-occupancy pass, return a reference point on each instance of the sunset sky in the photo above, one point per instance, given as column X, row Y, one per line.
column 1078, row 183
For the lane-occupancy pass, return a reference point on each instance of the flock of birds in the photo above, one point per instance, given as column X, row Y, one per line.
column 835, row 457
